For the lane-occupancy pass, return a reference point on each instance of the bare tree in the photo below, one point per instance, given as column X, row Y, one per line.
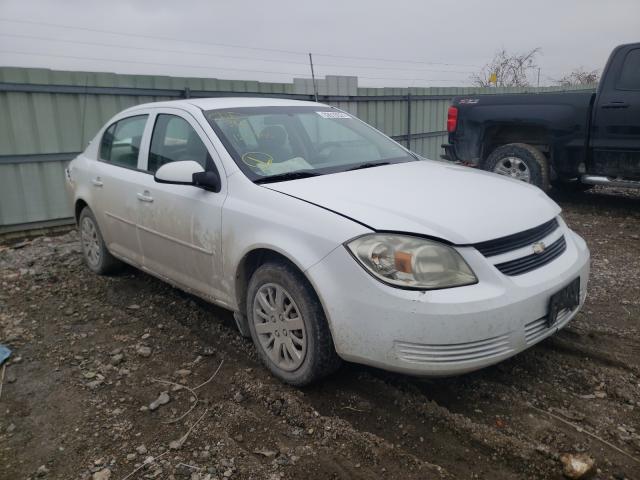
column 507, row 69
column 579, row 77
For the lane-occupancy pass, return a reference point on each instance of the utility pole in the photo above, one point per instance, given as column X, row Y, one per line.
column 538, row 77
column 313, row 78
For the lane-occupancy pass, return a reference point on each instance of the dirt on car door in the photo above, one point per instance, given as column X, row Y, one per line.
column 179, row 225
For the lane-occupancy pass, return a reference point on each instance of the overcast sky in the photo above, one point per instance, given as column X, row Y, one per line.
column 398, row 43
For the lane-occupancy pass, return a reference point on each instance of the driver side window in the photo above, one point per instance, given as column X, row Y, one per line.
column 630, row 75
column 174, row 139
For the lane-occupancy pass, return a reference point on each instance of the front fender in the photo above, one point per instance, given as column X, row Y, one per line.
column 255, row 217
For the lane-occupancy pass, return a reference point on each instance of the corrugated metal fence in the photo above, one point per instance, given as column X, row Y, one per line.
column 47, row 117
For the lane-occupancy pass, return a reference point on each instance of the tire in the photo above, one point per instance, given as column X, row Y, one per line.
column 311, row 355
column 520, row 161
column 94, row 250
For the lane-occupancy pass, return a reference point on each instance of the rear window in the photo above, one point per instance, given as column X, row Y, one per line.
column 630, row 74
column 120, row 143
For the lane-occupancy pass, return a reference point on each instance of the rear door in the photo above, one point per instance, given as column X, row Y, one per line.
column 615, row 136
column 115, row 183
column 180, row 224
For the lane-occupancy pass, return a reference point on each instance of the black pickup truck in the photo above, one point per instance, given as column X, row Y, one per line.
column 568, row 139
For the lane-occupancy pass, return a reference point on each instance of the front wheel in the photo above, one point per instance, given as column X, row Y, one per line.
column 288, row 325
column 520, row 161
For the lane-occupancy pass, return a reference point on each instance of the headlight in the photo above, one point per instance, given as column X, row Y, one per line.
column 411, row 262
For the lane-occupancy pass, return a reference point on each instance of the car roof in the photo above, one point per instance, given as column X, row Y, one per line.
column 227, row 102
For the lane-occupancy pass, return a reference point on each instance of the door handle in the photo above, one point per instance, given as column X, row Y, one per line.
column 615, row 105
column 145, row 197
column 97, row 182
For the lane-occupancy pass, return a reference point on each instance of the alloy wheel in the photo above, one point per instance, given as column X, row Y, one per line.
column 90, row 241
column 513, row 167
column 279, row 326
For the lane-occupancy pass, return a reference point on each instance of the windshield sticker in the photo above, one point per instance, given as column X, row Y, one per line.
column 333, row 115
column 231, row 118
column 261, row 161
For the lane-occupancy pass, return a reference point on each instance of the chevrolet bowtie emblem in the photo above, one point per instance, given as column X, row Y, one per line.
column 538, row 247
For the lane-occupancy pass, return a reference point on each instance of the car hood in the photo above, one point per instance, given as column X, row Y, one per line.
column 458, row 204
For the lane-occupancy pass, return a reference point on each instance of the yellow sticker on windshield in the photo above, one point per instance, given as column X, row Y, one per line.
column 259, row 160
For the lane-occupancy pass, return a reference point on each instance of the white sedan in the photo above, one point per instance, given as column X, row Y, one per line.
column 327, row 239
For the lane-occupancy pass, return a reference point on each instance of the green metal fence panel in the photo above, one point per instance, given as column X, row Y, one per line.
column 42, row 129
column 33, row 192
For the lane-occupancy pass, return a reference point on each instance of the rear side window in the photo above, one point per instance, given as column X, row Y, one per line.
column 174, row 139
column 120, row 143
column 630, row 75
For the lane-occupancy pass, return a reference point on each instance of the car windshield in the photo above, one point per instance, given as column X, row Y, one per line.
column 285, row 143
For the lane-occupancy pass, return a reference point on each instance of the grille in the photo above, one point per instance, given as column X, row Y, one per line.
column 535, row 330
column 453, row 353
column 491, row 248
column 533, row 261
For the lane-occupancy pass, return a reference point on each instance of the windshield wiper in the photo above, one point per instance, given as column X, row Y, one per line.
column 280, row 177
column 367, row 165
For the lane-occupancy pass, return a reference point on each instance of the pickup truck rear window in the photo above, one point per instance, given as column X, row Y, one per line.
column 630, row 74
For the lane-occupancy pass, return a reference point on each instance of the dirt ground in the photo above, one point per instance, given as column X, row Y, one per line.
column 90, row 354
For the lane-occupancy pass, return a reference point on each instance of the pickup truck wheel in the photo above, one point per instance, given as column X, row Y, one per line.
column 288, row 325
column 94, row 250
column 521, row 162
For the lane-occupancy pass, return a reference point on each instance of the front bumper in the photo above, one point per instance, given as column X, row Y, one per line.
column 449, row 331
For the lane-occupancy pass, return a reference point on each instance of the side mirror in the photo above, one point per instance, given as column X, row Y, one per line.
column 208, row 180
column 188, row 172
column 178, row 173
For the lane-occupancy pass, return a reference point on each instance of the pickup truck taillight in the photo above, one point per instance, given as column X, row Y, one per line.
column 452, row 119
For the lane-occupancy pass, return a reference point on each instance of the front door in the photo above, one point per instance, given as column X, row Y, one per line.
column 615, row 135
column 180, row 225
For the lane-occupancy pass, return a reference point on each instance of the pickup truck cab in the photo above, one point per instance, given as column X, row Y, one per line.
column 570, row 139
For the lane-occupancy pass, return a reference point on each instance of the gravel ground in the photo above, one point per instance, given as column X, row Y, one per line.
column 115, row 375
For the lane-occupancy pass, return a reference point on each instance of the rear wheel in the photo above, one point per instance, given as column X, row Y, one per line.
column 521, row 162
column 94, row 250
column 288, row 325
